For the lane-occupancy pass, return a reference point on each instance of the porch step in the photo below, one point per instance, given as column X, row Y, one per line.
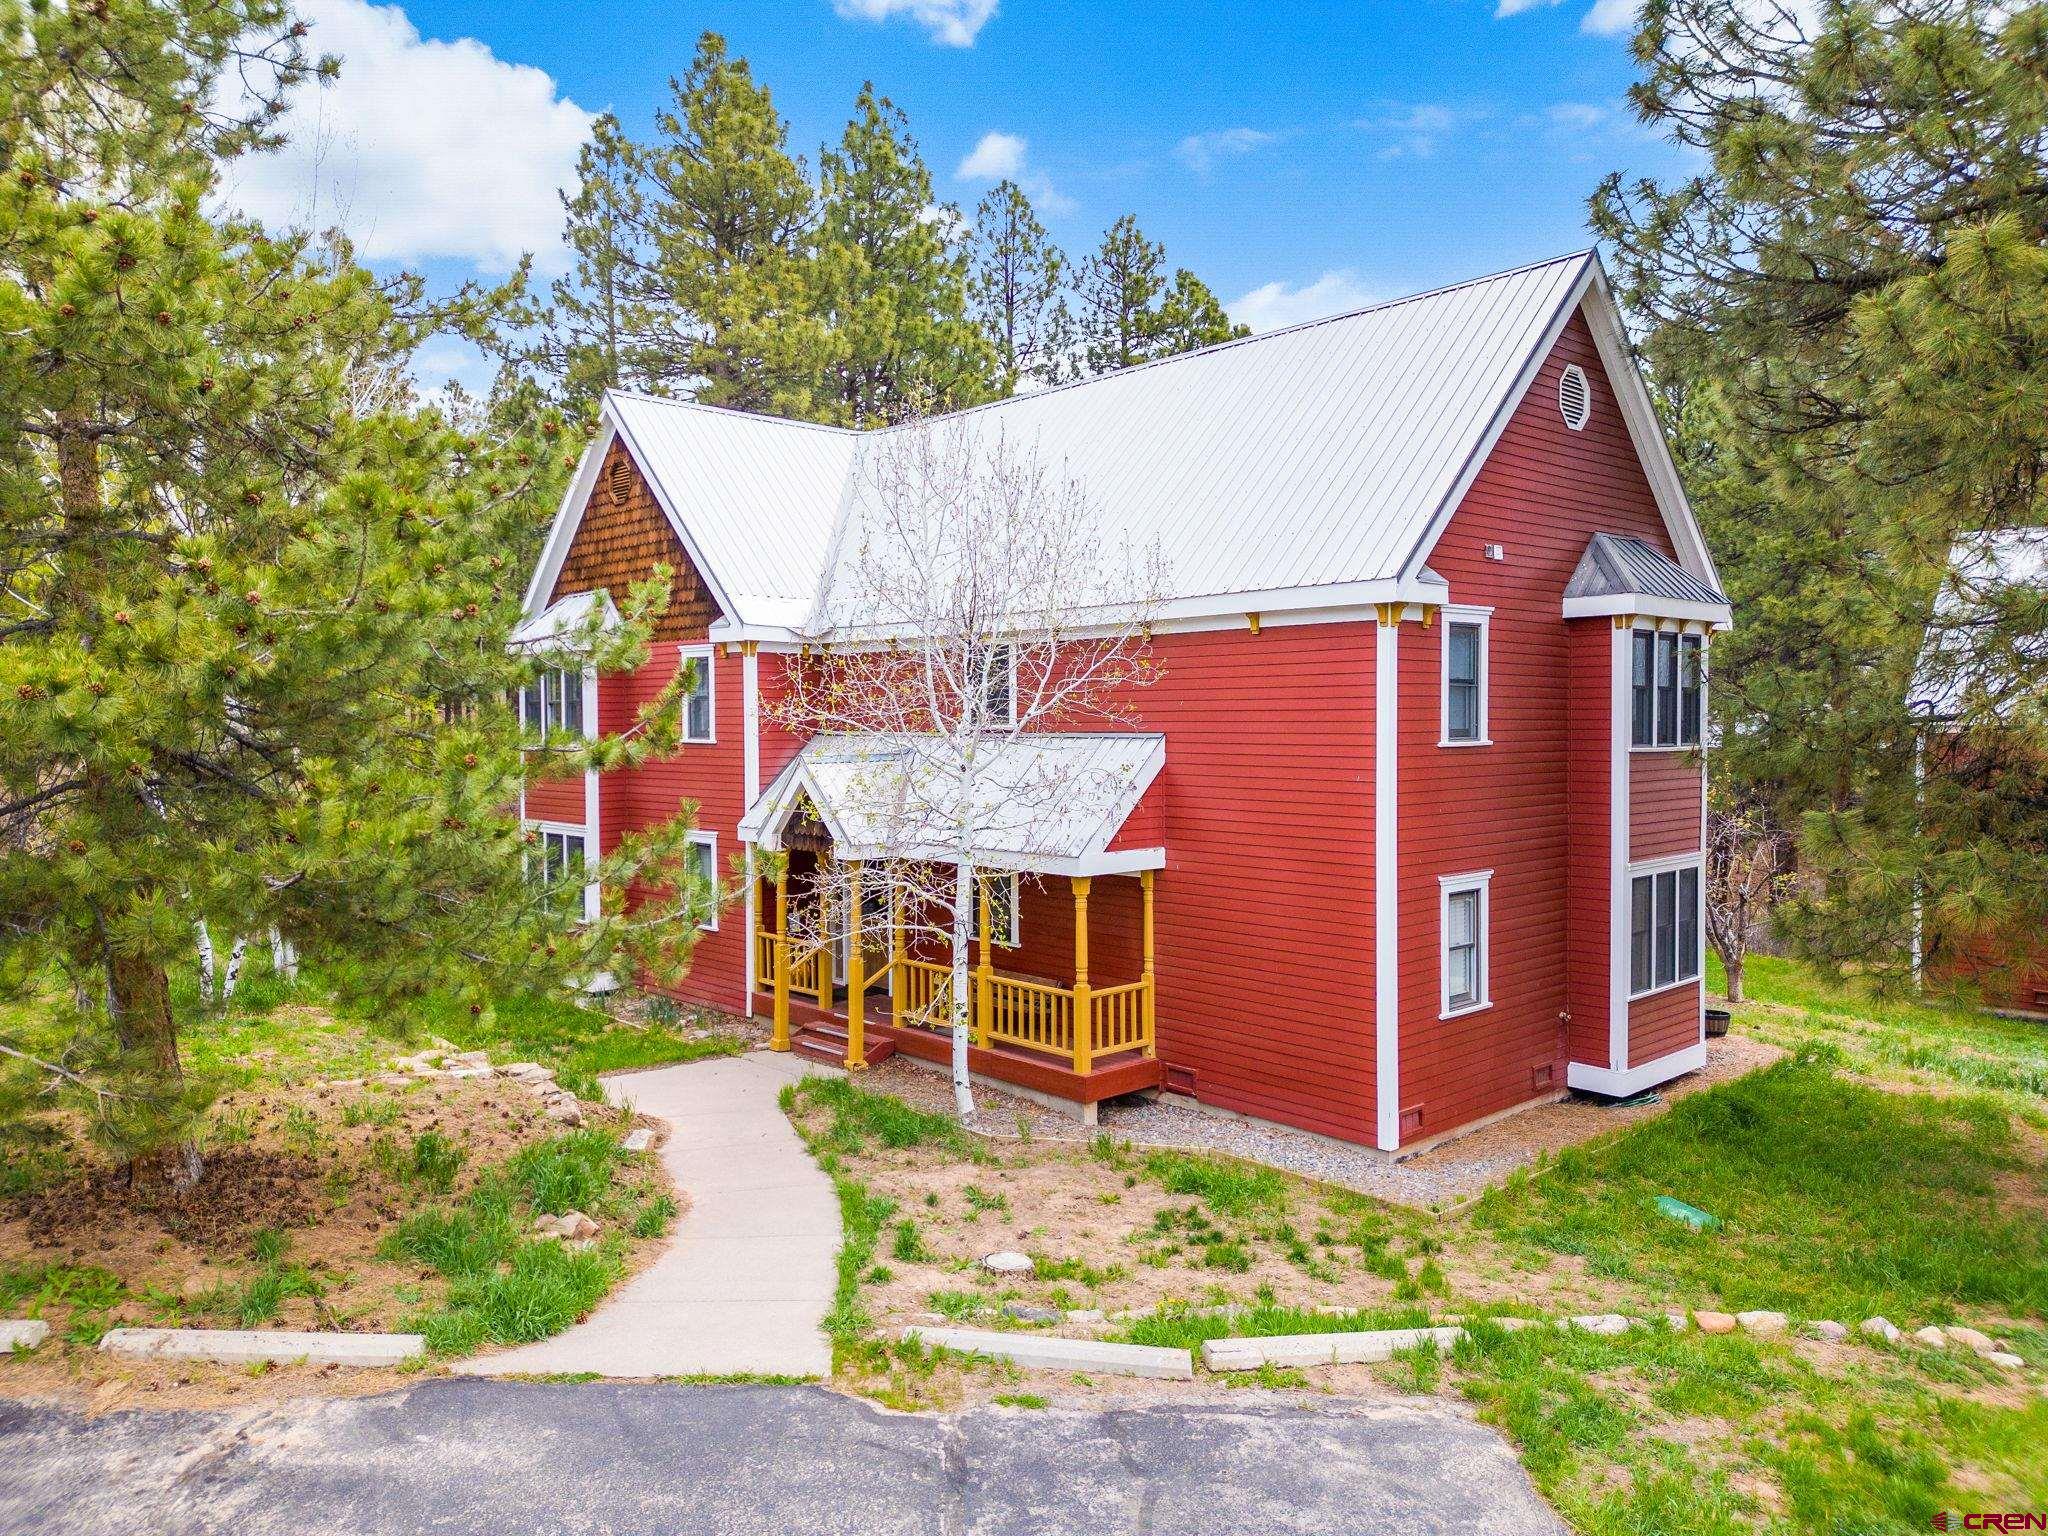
column 827, row 1041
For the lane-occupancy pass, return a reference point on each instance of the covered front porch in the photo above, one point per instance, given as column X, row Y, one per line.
column 845, row 974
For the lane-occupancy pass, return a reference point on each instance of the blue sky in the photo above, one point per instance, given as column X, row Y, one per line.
column 1303, row 158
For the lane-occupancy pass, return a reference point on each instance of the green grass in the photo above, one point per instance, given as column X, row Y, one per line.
column 1892, row 1037
column 1836, row 1200
column 505, row 1286
column 860, row 1119
column 1672, row 1433
column 1228, row 1187
column 1179, row 1326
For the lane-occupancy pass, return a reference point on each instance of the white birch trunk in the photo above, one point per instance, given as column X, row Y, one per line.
column 284, row 958
column 205, row 963
column 963, row 906
column 234, row 970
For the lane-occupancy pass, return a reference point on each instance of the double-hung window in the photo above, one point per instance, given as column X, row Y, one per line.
column 1667, row 675
column 1464, row 680
column 552, row 701
column 1000, row 679
column 700, row 718
column 1464, row 920
column 1664, row 928
column 703, row 894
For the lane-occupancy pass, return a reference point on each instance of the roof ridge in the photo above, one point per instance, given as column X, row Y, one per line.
column 1582, row 254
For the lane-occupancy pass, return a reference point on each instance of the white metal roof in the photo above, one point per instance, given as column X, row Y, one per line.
column 562, row 618
column 1958, row 658
column 1320, row 461
column 1049, row 802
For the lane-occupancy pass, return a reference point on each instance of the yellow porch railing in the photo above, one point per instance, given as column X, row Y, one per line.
column 1003, row 1010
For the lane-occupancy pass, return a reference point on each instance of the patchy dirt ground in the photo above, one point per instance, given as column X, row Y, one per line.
column 304, row 1183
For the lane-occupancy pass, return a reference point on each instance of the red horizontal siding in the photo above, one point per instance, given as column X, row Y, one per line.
column 1664, row 805
column 1662, row 1023
column 558, row 799
column 1542, row 495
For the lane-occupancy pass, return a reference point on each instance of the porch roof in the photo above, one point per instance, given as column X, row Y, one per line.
column 563, row 620
column 1622, row 575
column 1050, row 803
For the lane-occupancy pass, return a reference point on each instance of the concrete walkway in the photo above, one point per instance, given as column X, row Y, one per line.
column 749, row 1272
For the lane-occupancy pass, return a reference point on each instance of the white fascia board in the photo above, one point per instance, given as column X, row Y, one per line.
column 1644, row 605
column 1633, row 1080
column 667, row 504
column 1475, row 461
column 1639, row 414
column 568, row 518
column 1127, row 800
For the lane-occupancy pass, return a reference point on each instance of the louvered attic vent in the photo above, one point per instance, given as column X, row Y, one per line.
column 621, row 476
column 1575, row 397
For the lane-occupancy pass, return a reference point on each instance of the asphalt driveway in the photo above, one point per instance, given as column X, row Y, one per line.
column 505, row 1457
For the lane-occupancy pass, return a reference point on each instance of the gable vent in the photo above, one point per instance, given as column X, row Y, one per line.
column 620, row 474
column 1575, row 397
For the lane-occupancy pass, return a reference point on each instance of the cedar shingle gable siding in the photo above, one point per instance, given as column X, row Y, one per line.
column 622, row 537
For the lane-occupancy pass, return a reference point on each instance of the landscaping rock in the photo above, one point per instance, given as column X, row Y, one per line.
column 1761, row 1322
column 195, row 1285
column 1679, row 1321
column 1930, row 1336
column 469, row 1072
column 1970, row 1338
column 1084, row 1315
column 1045, row 1352
column 23, row 1333
column 2005, row 1358
column 577, row 1225
column 1600, row 1322
column 1879, row 1328
column 248, row 1346
column 568, row 1111
column 638, row 1140
column 1026, row 1313
column 1828, row 1329
column 1008, row 1262
column 474, row 1059
column 547, row 1226
column 1715, row 1322
column 524, row 1069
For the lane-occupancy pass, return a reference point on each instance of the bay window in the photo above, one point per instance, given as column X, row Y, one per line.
column 1664, row 928
column 1667, row 678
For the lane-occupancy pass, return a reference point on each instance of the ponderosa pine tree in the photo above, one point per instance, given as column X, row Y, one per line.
column 730, row 297
column 253, row 604
column 1850, row 304
column 1016, row 287
column 587, row 337
column 897, row 283
column 1130, row 313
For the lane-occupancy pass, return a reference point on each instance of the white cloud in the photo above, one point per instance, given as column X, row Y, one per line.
column 1275, row 304
column 1611, row 18
column 952, row 22
column 1416, row 131
column 1007, row 157
column 994, row 157
column 1576, row 114
column 1200, row 151
column 421, row 149
column 1516, row 7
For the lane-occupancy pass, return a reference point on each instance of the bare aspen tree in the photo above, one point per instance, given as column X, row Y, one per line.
column 974, row 601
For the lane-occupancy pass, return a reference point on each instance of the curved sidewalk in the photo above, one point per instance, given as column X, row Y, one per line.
column 749, row 1272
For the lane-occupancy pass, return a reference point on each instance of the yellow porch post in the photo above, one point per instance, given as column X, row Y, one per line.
column 985, row 973
column 856, row 977
column 1084, row 1021
column 898, row 972
column 778, row 1034
column 824, row 940
column 1151, row 1012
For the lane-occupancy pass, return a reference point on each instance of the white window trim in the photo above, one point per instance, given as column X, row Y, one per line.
column 1457, row 885
column 709, row 840
column 1009, row 651
column 706, row 654
column 581, row 832
column 1483, row 618
column 1660, row 866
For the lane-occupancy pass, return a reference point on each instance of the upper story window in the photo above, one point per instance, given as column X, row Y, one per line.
column 1464, row 680
column 1002, row 685
column 700, row 716
column 1667, row 675
column 552, row 701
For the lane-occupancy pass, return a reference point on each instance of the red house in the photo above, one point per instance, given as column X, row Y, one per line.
column 1412, row 824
